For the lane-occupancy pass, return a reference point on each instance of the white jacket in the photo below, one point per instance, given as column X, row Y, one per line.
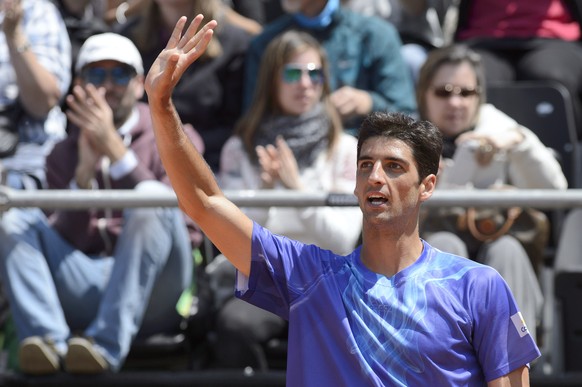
column 529, row 165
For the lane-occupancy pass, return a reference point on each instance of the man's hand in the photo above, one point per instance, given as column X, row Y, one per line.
column 180, row 52
column 12, row 16
column 89, row 110
column 351, row 102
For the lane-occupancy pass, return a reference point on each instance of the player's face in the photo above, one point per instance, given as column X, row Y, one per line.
column 387, row 183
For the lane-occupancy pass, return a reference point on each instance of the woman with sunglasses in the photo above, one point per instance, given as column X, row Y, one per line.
column 290, row 139
column 484, row 149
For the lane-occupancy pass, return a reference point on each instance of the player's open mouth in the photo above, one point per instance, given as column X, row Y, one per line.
column 377, row 200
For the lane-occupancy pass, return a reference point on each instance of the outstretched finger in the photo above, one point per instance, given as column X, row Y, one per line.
column 191, row 31
column 283, row 147
column 197, row 44
column 177, row 33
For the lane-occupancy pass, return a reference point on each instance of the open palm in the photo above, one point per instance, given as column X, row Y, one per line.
column 180, row 52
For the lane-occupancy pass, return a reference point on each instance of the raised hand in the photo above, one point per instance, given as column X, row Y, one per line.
column 180, row 52
column 12, row 16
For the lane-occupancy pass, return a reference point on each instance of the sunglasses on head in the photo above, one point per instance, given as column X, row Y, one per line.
column 292, row 73
column 119, row 75
column 449, row 90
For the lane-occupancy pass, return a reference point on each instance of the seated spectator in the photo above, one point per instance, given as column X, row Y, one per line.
column 209, row 94
column 35, row 68
column 367, row 71
column 419, row 23
column 451, row 94
column 83, row 283
column 527, row 40
column 290, row 139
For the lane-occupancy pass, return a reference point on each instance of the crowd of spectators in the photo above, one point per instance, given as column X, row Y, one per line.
column 275, row 102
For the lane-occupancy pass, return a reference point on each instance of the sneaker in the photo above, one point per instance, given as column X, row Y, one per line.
column 83, row 358
column 37, row 356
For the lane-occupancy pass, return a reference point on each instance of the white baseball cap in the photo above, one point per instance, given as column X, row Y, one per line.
column 109, row 46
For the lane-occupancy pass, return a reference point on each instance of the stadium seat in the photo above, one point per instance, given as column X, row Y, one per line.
column 544, row 108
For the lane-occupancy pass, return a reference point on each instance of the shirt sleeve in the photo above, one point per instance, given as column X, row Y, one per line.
column 500, row 336
column 276, row 279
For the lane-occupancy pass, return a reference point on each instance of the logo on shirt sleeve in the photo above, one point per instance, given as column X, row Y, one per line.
column 519, row 324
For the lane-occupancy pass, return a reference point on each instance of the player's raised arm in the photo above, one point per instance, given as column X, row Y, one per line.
column 196, row 188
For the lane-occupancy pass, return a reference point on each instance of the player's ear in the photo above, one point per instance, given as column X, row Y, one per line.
column 427, row 187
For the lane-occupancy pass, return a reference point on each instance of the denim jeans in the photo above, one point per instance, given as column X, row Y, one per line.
column 56, row 291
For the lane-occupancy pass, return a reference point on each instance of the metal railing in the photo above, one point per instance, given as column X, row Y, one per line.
column 81, row 199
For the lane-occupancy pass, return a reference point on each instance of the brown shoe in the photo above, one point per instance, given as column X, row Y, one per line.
column 83, row 358
column 37, row 356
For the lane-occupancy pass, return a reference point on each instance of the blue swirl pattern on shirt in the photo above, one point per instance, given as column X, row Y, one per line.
column 389, row 317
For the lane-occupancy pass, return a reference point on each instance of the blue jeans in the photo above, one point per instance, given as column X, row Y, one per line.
column 56, row 291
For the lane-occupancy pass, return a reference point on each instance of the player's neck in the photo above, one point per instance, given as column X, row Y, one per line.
column 388, row 254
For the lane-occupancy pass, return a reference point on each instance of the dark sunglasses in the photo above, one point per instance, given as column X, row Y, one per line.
column 119, row 75
column 292, row 73
column 449, row 90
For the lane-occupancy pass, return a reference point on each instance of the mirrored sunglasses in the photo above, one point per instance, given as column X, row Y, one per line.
column 449, row 90
column 119, row 75
column 292, row 73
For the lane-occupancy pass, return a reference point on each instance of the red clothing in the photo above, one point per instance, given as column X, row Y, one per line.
column 520, row 19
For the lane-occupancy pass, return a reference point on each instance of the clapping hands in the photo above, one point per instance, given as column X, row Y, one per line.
column 278, row 164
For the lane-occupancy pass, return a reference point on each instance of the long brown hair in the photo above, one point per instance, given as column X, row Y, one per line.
column 265, row 99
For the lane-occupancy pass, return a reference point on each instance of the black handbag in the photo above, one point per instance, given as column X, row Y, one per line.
column 9, row 120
